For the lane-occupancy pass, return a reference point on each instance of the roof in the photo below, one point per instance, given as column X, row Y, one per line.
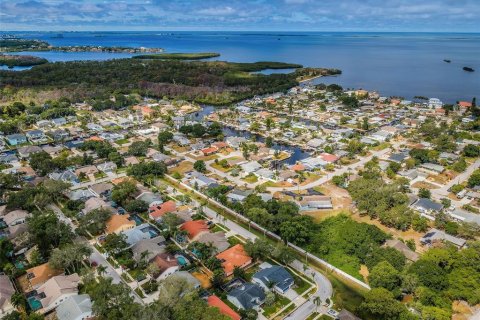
column 58, row 286
column 403, row 248
column 117, row 222
column 328, row 157
column 194, row 228
column 74, row 307
column 465, row 104
column 216, row 302
column 102, row 187
column 277, row 275
column 14, row 215
column 153, row 246
column 298, row 167
column 137, row 234
column 164, row 208
column 428, row 204
column 165, row 261
column 6, row 290
column 438, row 235
column 40, row 274
column 217, row 240
column 233, row 257
column 466, row 216
column 248, row 295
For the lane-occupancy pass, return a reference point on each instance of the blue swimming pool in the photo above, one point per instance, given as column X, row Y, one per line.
column 182, row 261
column 137, row 219
column 34, row 303
column 152, row 231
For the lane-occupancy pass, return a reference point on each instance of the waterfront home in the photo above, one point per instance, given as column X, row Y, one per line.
column 167, row 265
column 76, row 307
column 315, row 143
column 15, row 217
column 38, row 275
column 6, row 292
column 247, row 296
column 234, row 257
column 56, row 290
column 250, row 167
column 235, row 142
column 238, row 195
column 27, row 151
column 158, row 211
column 329, row 158
column 16, row 139
column 152, row 247
column 435, row 235
column 281, row 279
column 216, row 302
column 403, row 248
column 312, row 163
column 118, row 223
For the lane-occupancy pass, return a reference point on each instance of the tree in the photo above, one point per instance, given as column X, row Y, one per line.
column 260, row 249
column 270, row 298
column 283, row 254
column 218, row 278
column 123, row 191
column 70, row 256
column 269, row 142
column 424, row 193
column 145, row 171
column 471, row 151
column 435, row 313
column 380, row 303
column 164, row 138
column 200, row 166
column 47, row 232
column 385, row 276
column 94, row 222
column 115, row 243
column 239, row 273
column 474, row 179
column 42, row 163
column 136, row 206
column 19, row 301
column 139, row 148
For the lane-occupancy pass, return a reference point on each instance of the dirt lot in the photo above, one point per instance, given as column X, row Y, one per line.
column 182, row 167
column 425, row 185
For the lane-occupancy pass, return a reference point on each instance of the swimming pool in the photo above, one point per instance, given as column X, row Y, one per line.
column 34, row 303
column 151, row 230
column 137, row 219
column 182, row 260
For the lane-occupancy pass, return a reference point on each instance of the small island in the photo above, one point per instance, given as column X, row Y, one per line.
column 179, row 56
column 20, row 61
column 468, row 69
column 447, row 60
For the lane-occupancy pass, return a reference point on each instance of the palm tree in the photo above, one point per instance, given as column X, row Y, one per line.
column 18, row 300
column 101, row 269
column 317, row 301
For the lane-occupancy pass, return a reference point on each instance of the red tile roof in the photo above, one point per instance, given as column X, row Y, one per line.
column 328, row 157
column 234, row 257
column 214, row 301
column 465, row 104
column 160, row 210
column 194, row 227
column 209, row 150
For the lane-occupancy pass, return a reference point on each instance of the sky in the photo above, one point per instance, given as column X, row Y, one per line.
column 254, row 15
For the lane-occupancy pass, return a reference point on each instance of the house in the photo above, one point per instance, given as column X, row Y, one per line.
column 435, row 235
column 43, row 124
column 56, row 290
column 94, row 204
column 465, row 216
column 277, row 275
column 86, row 170
column 167, row 265
column 315, row 202
column 235, row 142
column 153, row 247
column 265, row 174
column 59, row 122
column 76, row 307
column 189, row 279
column 27, row 151
column 427, row 207
column 312, row 163
column 107, row 167
column 398, row 157
column 52, row 150
column 247, row 296
column 329, row 158
column 209, row 151
column 238, row 195
column 234, row 257
column 194, row 228
column 215, row 302
column 251, row 167
column 6, row 292
column 157, row 212
column 38, row 275
column 200, row 180
column 315, row 143
column 403, row 248
column 59, row 134
column 80, row 194
column 217, row 240
column 432, row 168
column 101, row 189
column 65, row 176
column 139, row 233
column 118, row 223
column 15, row 217
column 150, row 198
column 16, row 139
column 35, row 136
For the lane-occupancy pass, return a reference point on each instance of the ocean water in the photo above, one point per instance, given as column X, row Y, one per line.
column 399, row 64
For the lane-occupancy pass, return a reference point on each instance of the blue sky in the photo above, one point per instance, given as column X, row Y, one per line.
column 285, row 15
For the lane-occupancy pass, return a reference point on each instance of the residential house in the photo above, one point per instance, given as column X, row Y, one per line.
column 403, row 248
column 265, row 173
column 16, row 139
column 38, row 275
column 56, row 290
column 194, row 228
column 157, row 212
column 86, row 170
column 153, row 247
column 80, row 194
column 101, row 189
column 432, row 168
column 57, row 122
column 312, row 163
column 52, row 150
column 118, row 223
column 36, row 136
column 315, row 202
column 281, row 279
column 76, row 307
column 237, row 195
column 435, row 235
column 189, row 279
column 465, row 216
column 398, row 157
column 15, row 217
column 427, row 207
column 216, row 302
column 65, row 176
column 150, row 198
column 107, row 167
column 96, row 203
column 247, row 296
column 217, row 240
column 139, row 233
column 200, row 180
column 6, row 292
column 235, row 142
column 329, row 158
column 167, row 265
column 234, row 257
column 27, row 151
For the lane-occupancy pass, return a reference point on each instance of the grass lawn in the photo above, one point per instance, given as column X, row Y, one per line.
column 381, row 146
column 140, row 293
column 286, row 311
column 122, row 141
column 182, row 167
column 279, row 303
column 219, row 167
column 251, row 178
column 300, row 285
column 315, row 314
column 219, row 227
column 233, row 241
column 99, row 175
